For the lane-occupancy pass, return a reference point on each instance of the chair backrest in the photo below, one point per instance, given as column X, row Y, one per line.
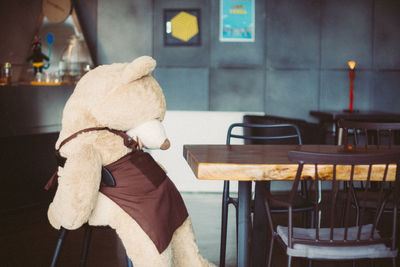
column 369, row 133
column 265, row 133
column 107, row 178
column 334, row 212
column 311, row 133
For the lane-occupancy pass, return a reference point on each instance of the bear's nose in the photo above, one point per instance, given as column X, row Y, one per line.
column 165, row 145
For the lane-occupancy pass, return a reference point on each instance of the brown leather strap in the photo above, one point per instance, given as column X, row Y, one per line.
column 52, row 182
column 128, row 141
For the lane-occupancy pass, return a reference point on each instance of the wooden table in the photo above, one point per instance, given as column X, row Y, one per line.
column 259, row 163
column 369, row 115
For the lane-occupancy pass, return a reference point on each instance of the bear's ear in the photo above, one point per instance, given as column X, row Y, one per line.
column 138, row 68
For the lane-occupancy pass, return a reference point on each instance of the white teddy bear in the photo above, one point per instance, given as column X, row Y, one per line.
column 114, row 111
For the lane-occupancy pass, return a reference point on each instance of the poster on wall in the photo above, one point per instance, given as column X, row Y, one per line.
column 182, row 27
column 237, row 21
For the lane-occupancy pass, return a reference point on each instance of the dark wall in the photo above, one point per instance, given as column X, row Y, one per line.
column 298, row 61
column 27, row 163
column 19, row 23
column 26, row 110
column 30, row 117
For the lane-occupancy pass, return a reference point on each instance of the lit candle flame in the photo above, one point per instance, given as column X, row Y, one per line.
column 352, row 65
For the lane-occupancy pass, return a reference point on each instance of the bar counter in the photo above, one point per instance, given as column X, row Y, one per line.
column 26, row 109
column 30, row 122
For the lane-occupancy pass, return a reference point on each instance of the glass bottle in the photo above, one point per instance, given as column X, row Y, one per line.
column 75, row 59
column 7, row 73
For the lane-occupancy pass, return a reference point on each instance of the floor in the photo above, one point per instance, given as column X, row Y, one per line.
column 27, row 239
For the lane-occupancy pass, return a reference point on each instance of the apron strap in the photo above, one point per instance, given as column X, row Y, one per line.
column 128, row 141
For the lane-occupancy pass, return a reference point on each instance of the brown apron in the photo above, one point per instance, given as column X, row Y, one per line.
column 144, row 191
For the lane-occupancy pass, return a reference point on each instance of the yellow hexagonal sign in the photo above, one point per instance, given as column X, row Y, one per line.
column 184, row 26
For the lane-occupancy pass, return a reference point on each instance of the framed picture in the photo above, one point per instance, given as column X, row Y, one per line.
column 182, row 27
column 237, row 21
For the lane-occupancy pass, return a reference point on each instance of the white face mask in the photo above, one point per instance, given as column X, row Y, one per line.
column 151, row 135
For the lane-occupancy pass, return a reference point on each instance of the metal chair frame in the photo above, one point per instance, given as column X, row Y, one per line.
column 227, row 199
column 371, row 130
column 373, row 133
column 108, row 180
column 369, row 158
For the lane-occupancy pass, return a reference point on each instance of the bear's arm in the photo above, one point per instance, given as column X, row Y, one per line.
column 78, row 187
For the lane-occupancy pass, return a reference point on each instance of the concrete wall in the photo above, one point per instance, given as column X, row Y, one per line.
column 298, row 61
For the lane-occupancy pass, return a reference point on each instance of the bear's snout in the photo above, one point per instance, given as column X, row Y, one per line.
column 165, row 145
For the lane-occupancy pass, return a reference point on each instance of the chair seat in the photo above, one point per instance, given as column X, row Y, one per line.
column 323, row 251
column 300, row 204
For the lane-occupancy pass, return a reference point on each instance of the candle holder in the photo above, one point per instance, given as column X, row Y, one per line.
column 352, row 65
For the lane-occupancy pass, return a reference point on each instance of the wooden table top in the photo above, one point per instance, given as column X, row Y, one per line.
column 265, row 162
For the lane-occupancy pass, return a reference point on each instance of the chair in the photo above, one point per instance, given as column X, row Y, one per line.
column 107, row 179
column 367, row 134
column 261, row 134
column 311, row 133
column 333, row 240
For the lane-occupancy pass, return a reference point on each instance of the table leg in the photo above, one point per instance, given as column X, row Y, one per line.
column 260, row 227
column 244, row 224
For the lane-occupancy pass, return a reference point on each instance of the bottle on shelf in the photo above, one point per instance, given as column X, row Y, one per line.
column 6, row 74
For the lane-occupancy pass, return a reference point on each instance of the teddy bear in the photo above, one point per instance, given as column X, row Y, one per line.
column 113, row 113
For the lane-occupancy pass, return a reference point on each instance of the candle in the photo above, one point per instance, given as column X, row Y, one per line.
column 352, row 65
